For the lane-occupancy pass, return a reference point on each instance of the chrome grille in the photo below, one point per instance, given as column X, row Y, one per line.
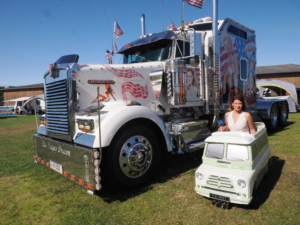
column 220, row 182
column 57, row 107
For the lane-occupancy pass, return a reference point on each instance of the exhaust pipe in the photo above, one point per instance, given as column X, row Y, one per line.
column 143, row 24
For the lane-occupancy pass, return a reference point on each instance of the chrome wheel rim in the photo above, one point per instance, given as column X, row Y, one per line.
column 135, row 156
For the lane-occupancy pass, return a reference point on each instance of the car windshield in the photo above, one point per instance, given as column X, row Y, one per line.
column 148, row 53
column 215, row 151
column 237, row 152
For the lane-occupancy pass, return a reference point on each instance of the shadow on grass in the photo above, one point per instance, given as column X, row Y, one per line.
column 280, row 128
column 172, row 167
column 267, row 184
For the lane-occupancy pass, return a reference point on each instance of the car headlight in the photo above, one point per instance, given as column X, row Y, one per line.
column 241, row 183
column 199, row 176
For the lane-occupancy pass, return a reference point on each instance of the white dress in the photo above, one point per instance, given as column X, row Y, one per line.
column 240, row 125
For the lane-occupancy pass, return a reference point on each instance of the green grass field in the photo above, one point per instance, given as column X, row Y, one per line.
column 33, row 194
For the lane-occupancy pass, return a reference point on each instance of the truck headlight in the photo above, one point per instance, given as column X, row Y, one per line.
column 241, row 183
column 199, row 176
column 86, row 125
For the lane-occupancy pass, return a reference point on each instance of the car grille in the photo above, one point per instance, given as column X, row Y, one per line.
column 57, row 107
column 220, row 182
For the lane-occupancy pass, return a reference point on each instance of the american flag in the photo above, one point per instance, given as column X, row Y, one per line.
column 174, row 26
column 116, row 47
column 108, row 54
column 196, row 3
column 118, row 30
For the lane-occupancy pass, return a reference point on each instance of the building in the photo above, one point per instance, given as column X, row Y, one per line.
column 22, row 91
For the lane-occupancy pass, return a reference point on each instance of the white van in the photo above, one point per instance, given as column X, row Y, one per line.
column 233, row 166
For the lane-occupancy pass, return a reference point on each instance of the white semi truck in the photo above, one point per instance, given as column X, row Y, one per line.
column 170, row 92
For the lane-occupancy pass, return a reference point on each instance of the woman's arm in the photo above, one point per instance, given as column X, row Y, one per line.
column 225, row 128
column 250, row 123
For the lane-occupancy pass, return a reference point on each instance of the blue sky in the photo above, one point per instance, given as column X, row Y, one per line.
column 35, row 33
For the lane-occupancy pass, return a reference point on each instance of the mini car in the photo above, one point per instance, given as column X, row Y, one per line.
column 233, row 165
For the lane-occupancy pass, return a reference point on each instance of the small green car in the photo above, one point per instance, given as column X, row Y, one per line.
column 233, row 165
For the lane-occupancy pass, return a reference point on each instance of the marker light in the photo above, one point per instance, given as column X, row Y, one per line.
column 73, row 177
column 97, row 170
column 43, row 162
column 97, row 179
column 47, row 164
column 35, row 157
column 66, row 173
column 97, row 162
column 89, row 186
column 98, row 186
column 39, row 159
column 81, row 181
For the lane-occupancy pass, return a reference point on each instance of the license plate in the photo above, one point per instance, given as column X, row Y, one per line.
column 219, row 197
column 57, row 167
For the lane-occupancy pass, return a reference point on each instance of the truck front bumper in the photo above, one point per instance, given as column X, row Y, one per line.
column 77, row 163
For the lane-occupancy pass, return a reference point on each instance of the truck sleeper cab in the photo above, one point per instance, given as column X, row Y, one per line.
column 233, row 165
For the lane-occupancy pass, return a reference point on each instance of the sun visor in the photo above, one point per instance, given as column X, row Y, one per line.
column 149, row 38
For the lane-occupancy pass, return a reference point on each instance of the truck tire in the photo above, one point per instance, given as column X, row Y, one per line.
column 272, row 122
column 283, row 114
column 133, row 157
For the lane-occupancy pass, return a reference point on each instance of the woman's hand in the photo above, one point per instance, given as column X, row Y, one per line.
column 222, row 128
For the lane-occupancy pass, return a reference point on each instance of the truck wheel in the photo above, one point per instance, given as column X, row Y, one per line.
column 255, row 198
column 272, row 122
column 132, row 157
column 283, row 114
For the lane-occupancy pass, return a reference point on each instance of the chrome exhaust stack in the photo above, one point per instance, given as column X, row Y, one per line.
column 143, row 27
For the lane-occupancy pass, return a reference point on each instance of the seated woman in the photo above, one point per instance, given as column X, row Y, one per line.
column 237, row 119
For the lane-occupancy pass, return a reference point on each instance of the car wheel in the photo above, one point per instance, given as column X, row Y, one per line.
column 132, row 157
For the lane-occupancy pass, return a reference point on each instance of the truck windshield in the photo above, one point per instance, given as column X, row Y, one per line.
column 215, row 151
column 148, row 53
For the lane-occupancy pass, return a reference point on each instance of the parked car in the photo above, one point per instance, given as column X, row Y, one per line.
column 233, row 166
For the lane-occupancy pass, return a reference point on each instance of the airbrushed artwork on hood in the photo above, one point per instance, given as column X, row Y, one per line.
column 109, row 92
column 135, row 89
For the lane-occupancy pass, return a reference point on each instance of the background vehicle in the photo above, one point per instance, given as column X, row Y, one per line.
column 171, row 91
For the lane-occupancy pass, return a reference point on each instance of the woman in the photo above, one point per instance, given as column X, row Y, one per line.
column 237, row 119
column 192, row 91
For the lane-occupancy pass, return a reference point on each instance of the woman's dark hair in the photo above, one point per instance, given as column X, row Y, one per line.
column 240, row 98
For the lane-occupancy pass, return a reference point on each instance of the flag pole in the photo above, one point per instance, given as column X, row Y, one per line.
column 182, row 13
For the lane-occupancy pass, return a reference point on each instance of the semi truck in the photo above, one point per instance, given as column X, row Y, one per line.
column 116, row 121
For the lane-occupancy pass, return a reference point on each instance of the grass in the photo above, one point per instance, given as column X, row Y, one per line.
column 32, row 194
